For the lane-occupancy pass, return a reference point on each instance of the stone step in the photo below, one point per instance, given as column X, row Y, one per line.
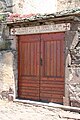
column 70, row 116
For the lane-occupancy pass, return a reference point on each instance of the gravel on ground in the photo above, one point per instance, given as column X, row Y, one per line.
column 24, row 111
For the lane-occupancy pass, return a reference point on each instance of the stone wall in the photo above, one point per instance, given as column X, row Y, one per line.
column 8, row 65
column 67, row 4
column 72, row 69
column 6, row 73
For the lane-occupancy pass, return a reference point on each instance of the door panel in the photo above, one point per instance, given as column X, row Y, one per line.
column 52, row 70
column 29, row 60
column 41, row 67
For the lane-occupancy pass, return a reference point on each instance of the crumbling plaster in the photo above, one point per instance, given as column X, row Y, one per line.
column 67, row 4
column 8, row 64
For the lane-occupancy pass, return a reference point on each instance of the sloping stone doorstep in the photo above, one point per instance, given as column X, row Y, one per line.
column 71, row 116
column 54, row 105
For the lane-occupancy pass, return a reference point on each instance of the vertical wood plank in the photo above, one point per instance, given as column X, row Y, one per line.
column 52, row 58
column 55, row 62
column 58, row 58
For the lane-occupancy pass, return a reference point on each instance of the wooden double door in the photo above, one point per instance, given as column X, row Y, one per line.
column 41, row 67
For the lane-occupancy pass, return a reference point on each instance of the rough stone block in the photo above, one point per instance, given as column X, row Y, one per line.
column 5, row 45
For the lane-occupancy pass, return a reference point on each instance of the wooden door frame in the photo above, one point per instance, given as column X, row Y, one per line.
column 16, row 83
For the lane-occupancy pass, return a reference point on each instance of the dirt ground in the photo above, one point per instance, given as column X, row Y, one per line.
column 24, row 111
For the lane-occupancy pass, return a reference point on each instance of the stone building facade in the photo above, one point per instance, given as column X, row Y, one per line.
column 9, row 55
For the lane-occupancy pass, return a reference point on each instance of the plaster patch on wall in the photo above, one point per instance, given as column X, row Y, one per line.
column 6, row 72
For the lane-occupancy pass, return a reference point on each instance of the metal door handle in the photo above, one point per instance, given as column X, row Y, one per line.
column 41, row 61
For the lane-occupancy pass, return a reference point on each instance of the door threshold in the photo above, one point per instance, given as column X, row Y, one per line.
column 54, row 105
